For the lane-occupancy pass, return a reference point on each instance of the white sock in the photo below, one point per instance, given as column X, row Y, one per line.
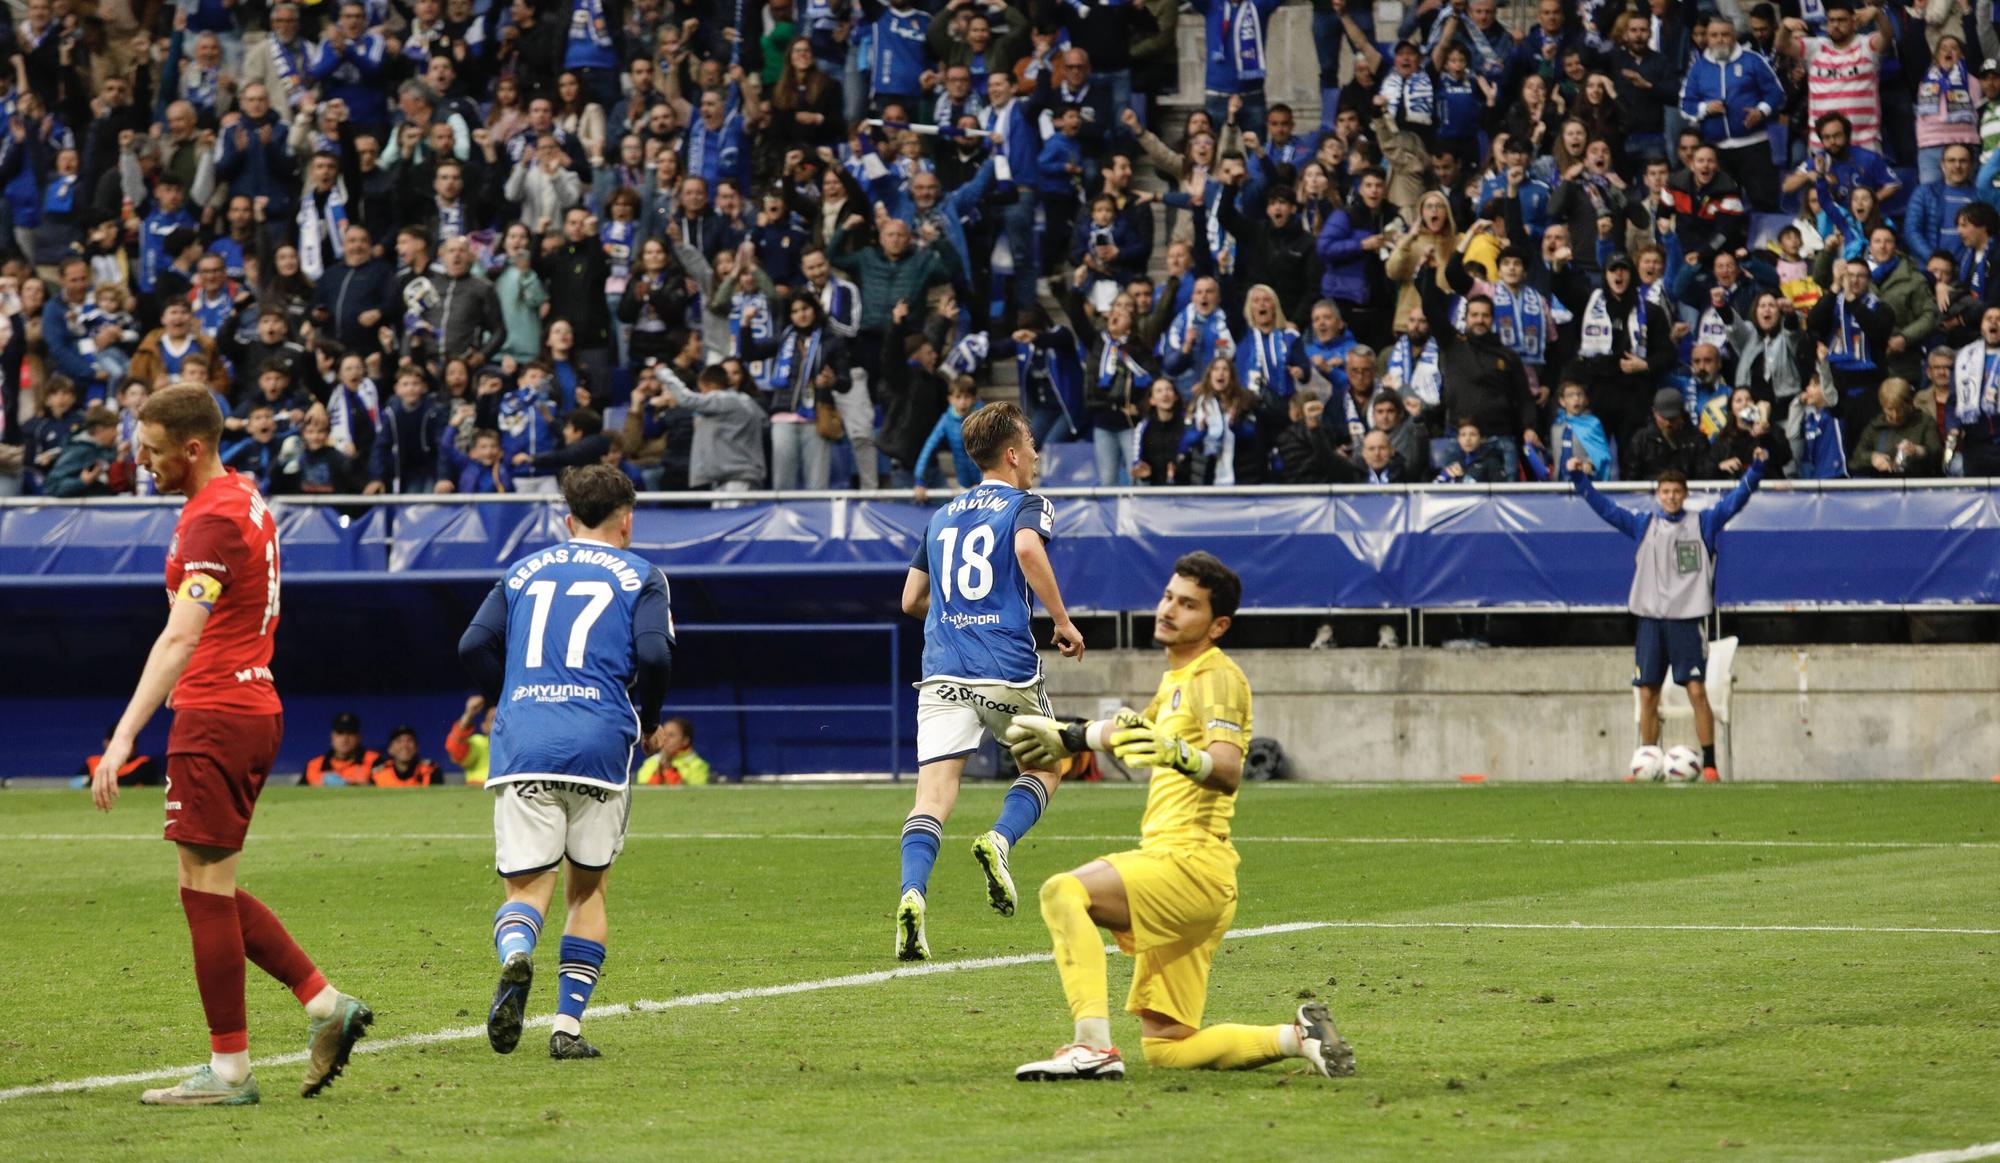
column 1288, row 1041
column 321, row 1006
column 1094, row 1033
column 568, row 1025
column 231, row 1068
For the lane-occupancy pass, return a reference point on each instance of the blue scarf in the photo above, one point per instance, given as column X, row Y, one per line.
column 1972, row 270
column 1850, row 344
column 588, row 18
column 1412, row 99
column 288, row 73
column 837, row 299
column 750, row 313
column 1215, row 337
column 621, row 244
column 1975, row 387
column 345, row 409
column 787, row 372
column 1357, row 428
column 1417, row 373
column 1597, row 327
column 1521, row 321
column 526, row 424
column 946, row 112
column 1948, row 95
column 1261, row 357
column 199, row 86
column 1243, row 32
column 1221, row 244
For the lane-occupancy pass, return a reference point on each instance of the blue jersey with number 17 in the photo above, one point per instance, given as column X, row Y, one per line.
column 574, row 615
column 978, row 626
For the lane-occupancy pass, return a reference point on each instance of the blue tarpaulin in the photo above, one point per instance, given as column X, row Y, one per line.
column 1412, row 549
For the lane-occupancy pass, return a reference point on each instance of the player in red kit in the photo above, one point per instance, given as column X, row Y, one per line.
column 212, row 664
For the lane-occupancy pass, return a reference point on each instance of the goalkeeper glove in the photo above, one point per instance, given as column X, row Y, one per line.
column 1040, row 743
column 1139, row 743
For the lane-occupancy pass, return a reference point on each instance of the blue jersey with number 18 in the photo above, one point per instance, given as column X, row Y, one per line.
column 574, row 615
column 977, row 629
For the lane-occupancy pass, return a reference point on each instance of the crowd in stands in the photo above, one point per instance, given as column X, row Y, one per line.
column 460, row 245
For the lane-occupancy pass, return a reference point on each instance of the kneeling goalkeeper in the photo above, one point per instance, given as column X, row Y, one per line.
column 1170, row 901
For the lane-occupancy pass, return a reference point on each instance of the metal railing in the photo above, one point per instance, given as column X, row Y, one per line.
column 780, row 496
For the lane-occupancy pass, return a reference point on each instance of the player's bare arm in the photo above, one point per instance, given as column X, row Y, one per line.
column 164, row 665
column 1034, row 558
column 917, row 593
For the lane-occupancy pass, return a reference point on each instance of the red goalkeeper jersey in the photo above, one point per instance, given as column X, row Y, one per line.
column 225, row 556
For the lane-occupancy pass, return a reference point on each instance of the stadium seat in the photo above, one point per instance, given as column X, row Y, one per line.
column 1069, row 464
column 1721, row 678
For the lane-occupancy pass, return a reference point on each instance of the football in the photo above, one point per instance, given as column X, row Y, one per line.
column 1683, row 765
column 1647, row 763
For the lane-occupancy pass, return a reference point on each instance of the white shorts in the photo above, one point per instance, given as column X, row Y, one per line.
column 951, row 715
column 536, row 824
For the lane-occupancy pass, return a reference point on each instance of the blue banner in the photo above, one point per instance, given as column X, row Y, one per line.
column 1426, row 549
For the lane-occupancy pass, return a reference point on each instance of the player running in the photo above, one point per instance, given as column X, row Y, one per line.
column 1673, row 592
column 1170, row 901
column 574, row 646
column 982, row 554
column 214, row 658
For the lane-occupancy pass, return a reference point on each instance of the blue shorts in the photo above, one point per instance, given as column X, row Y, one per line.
column 1680, row 641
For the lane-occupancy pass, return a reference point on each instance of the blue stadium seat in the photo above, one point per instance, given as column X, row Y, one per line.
column 1069, row 465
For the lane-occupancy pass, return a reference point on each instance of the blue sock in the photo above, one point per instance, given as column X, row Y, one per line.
column 515, row 928
column 1023, row 806
column 582, row 960
column 921, row 836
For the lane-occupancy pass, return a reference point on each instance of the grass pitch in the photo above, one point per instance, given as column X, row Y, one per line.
column 1689, row 1025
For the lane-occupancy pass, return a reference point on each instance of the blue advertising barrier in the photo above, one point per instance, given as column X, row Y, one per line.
column 1296, row 549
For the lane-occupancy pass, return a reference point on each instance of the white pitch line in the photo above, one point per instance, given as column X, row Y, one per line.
column 468, row 1033
column 1962, row 1155
column 1122, row 837
column 1588, row 927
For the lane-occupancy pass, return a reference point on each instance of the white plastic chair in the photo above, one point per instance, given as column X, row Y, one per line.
column 1720, row 681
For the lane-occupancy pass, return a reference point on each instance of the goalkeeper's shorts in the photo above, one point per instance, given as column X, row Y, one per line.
column 1181, row 899
column 951, row 715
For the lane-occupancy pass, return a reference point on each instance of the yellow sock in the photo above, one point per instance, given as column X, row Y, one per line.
column 1224, row 1047
column 1079, row 950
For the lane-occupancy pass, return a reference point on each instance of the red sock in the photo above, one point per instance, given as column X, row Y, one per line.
column 218, row 967
column 272, row 949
